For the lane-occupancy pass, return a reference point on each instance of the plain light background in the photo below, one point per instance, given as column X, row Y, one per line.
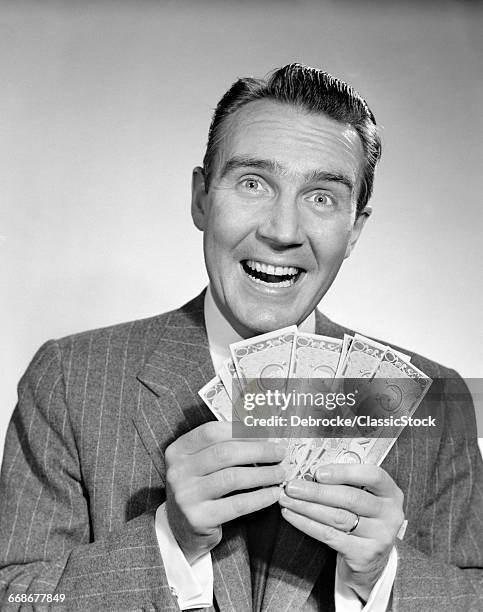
column 104, row 110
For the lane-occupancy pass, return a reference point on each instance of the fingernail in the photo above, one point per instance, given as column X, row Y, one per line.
column 294, row 487
column 323, row 474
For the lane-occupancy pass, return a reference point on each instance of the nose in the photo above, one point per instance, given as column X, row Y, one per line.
column 280, row 224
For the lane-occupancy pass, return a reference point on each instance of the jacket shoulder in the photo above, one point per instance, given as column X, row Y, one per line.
column 145, row 332
column 138, row 330
column 431, row 368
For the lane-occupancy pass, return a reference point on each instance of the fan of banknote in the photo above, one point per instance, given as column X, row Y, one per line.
column 289, row 354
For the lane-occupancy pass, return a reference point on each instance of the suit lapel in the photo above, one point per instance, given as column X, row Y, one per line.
column 169, row 407
column 326, row 327
column 171, row 376
column 297, row 559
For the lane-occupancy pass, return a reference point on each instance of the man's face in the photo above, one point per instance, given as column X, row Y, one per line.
column 279, row 215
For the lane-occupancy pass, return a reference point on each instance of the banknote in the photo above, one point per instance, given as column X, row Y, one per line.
column 361, row 361
column 217, row 399
column 367, row 449
column 229, row 377
column 397, row 389
column 264, row 357
column 362, row 358
column 387, row 383
column 364, row 355
column 314, row 356
column 299, row 454
column 346, row 343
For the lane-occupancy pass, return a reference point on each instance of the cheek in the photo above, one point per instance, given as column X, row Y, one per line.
column 220, row 239
column 227, row 226
column 331, row 242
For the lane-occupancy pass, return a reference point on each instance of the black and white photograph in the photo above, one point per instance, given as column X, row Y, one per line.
column 241, row 257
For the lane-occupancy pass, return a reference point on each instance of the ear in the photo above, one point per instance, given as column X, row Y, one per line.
column 357, row 229
column 199, row 200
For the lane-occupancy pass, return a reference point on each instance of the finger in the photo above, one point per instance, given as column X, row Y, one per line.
column 346, row 544
column 339, row 518
column 371, row 477
column 232, row 453
column 349, row 498
column 232, row 479
column 202, row 437
column 229, row 508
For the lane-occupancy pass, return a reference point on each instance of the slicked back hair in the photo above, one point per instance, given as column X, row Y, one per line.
column 309, row 89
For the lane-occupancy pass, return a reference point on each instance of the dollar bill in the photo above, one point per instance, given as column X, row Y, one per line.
column 362, row 358
column 346, row 343
column 397, row 389
column 372, row 349
column 298, row 456
column 314, row 356
column 229, row 378
column 264, row 357
column 217, row 399
column 390, row 382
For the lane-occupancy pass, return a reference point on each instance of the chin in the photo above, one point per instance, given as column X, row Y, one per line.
column 268, row 322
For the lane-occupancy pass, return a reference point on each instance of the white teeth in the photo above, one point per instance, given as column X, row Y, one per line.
column 259, row 266
column 285, row 283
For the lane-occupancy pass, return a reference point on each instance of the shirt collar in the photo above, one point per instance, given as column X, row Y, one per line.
column 221, row 334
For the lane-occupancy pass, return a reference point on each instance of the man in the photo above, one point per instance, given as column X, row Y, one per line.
column 119, row 491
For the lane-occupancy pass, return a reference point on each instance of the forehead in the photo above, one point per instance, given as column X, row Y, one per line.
column 296, row 139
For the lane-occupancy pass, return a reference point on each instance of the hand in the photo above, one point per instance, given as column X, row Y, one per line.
column 202, row 467
column 328, row 509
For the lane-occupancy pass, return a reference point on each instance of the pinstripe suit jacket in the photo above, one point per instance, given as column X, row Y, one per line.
column 83, row 473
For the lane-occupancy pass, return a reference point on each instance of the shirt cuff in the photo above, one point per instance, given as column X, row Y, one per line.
column 192, row 585
column 347, row 601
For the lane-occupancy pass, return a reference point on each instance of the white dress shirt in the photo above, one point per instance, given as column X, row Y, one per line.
column 193, row 584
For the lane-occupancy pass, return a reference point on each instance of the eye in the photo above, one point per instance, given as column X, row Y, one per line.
column 252, row 185
column 322, row 199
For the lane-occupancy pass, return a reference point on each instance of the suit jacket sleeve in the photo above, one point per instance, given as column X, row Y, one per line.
column 443, row 570
column 45, row 532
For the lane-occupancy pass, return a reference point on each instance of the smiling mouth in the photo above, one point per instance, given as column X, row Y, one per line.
column 269, row 275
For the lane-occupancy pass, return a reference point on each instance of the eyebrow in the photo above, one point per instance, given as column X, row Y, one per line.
column 241, row 161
